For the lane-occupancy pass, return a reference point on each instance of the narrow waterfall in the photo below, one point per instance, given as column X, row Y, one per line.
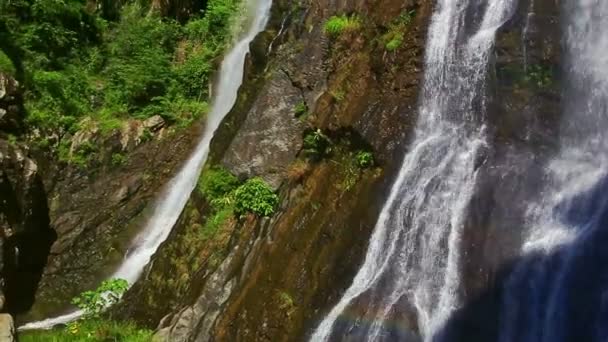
column 175, row 196
column 412, row 261
column 557, row 292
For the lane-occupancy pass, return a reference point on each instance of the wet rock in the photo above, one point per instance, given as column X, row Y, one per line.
column 7, row 328
column 270, row 137
column 24, row 226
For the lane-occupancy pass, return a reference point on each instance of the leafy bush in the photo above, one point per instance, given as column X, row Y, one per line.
column 96, row 301
column 301, row 109
column 255, row 196
column 118, row 159
column 217, row 183
column 6, row 65
column 92, row 330
column 339, row 24
column 316, row 144
column 365, row 159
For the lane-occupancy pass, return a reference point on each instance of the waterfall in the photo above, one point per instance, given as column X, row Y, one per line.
column 557, row 291
column 175, row 196
column 413, row 256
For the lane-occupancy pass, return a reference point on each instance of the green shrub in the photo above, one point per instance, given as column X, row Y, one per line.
column 365, row 159
column 118, row 159
column 316, row 144
column 301, row 109
column 255, row 196
column 339, row 24
column 394, row 43
column 6, row 65
column 96, row 301
column 216, row 183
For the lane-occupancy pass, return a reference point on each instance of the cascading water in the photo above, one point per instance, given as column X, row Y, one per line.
column 557, row 292
column 412, row 260
column 170, row 205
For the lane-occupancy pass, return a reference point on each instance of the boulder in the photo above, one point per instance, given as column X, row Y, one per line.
column 7, row 328
column 154, row 123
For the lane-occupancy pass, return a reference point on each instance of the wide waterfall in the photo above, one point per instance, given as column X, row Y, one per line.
column 172, row 201
column 557, row 292
column 412, row 262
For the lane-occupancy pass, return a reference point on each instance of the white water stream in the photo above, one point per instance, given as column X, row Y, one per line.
column 175, row 196
column 413, row 258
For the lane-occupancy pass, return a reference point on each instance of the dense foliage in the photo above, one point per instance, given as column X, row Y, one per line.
column 77, row 61
column 255, row 196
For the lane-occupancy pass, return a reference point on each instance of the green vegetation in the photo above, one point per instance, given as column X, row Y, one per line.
column 92, row 327
column 301, row 110
column 287, row 302
column 255, row 196
column 76, row 62
column 339, row 24
column 80, row 156
column 227, row 197
column 90, row 331
column 365, row 159
column 395, row 36
column 12, row 139
column 316, row 144
column 216, row 184
column 539, row 75
column 338, row 95
column 118, row 159
column 94, row 302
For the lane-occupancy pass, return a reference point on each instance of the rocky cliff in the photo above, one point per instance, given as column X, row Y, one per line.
column 272, row 279
column 25, row 231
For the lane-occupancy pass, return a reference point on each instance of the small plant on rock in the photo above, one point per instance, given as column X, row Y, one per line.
column 301, row 109
column 316, row 144
column 217, row 183
column 118, row 159
column 339, row 24
column 255, row 196
column 365, row 159
column 94, row 302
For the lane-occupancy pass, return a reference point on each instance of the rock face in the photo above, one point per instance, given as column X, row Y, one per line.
column 98, row 208
column 10, row 104
column 268, row 140
column 25, row 233
column 7, row 328
column 272, row 279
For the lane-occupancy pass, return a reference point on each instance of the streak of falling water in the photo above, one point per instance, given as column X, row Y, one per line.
column 414, row 252
column 558, row 290
column 176, row 194
column 526, row 34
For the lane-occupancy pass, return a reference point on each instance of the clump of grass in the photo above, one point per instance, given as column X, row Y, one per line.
column 339, row 24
